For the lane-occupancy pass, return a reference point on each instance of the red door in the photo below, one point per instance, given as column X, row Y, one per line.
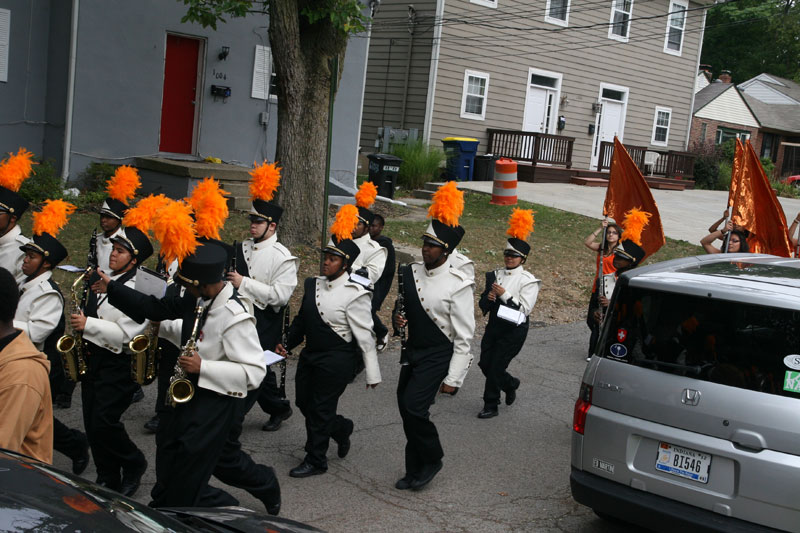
column 180, row 89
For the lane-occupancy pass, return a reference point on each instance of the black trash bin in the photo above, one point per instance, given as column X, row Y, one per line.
column 484, row 167
column 383, row 169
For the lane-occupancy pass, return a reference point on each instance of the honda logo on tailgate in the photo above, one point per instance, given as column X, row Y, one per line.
column 690, row 397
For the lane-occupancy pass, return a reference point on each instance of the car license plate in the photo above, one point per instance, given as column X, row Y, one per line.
column 683, row 462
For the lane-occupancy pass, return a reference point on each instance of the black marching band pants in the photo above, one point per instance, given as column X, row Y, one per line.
column 269, row 396
column 501, row 342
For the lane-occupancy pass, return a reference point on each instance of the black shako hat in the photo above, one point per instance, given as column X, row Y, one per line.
column 440, row 234
column 365, row 215
column 11, row 202
column 345, row 248
column 47, row 245
column 136, row 242
column 206, row 265
column 631, row 251
column 266, row 210
column 517, row 247
column 229, row 249
column 113, row 208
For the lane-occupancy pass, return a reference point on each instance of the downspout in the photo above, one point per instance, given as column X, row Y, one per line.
column 694, row 81
column 412, row 22
column 73, row 55
column 437, row 38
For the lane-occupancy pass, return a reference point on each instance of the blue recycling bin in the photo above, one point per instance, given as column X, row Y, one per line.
column 460, row 152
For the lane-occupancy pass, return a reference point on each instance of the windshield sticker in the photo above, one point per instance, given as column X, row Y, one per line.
column 791, row 382
column 622, row 334
column 792, row 361
column 618, row 350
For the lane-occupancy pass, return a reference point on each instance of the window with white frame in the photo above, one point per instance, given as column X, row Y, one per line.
column 676, row 23
column 661, row 122
column 557, row 12
column 5, row 32
column 473, row 99
column 726, row 134
column 264, row 77
column 620, row 25
column 486, row 3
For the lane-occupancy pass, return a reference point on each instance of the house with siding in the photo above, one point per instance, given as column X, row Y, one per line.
column 585, row 71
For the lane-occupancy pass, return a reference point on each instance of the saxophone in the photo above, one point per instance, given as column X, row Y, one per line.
column 181, row 390
column 145, row 352
column 70, row 346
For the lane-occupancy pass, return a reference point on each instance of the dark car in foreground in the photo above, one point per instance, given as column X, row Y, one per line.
column 688, row 416
column 35, row 496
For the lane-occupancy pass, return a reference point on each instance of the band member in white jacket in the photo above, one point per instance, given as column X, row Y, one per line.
column 13, row 171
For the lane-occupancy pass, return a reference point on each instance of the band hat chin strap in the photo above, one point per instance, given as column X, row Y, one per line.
column 184, row 279
column 34, row 247
column 4, row 207
column 510, row 248
column 436, row 239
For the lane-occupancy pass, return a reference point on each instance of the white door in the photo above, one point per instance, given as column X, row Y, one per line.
column 541, row 104
column 610, row 120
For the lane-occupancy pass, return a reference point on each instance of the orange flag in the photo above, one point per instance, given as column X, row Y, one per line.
column 755, row 207
column 626, row 190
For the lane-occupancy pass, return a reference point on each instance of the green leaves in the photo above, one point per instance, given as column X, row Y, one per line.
column 208, row 12
column 344, row 15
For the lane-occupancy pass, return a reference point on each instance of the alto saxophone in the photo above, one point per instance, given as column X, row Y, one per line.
column 70, row 345
column 181, row 390
column 145, row 351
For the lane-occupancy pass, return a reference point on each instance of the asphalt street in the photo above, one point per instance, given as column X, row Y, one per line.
column 509, row 473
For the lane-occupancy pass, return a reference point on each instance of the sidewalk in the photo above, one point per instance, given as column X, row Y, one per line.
column 686, row 215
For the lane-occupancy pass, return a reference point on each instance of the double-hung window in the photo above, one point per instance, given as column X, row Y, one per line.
column 487, row 3
column 557, row 12
column 620, row 25
column 473, row 99
column 661, row 122
column 676, row 24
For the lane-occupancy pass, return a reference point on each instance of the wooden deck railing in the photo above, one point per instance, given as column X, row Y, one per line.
column 531, row 146
column 669, row 164
column 607, row 153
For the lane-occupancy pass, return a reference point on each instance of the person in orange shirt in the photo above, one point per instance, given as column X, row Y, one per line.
column 613, row 233
column 26, row 408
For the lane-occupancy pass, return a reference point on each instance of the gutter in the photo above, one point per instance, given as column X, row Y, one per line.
column 73, row 56
column 694, row 80
column 437, row 39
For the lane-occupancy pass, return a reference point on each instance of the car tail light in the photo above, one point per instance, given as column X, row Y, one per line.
column 582, row 405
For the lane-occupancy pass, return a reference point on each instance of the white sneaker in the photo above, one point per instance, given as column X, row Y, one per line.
column 383, row 343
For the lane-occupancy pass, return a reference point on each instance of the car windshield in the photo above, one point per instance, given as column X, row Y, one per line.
column 746, row 346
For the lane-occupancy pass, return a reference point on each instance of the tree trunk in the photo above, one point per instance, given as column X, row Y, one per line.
column 302, row 54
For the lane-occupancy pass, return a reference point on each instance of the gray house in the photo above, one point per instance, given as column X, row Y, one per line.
column 585, row 71
column 120, row 81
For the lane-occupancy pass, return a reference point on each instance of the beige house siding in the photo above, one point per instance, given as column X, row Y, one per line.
column 585, row 58
column 386, row 70
column 728, row 107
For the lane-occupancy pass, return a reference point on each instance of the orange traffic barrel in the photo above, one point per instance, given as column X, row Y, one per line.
column 504, row 189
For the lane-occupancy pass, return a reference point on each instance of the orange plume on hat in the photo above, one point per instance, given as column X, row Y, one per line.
column 520, row 223
column 142, row 214
column 52, row 217
column 210, row 208
column 122, row 186
column 346, row 221
column 448, row 204
column 633, row 225
column 173, row 227
column 15, row 169
column 366, row 195
column 265, row 181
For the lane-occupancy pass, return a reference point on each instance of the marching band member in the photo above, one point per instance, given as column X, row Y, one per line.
column 460, row 261
column 439, row 313
column 40, row 314
column 335, row 321
column 384, row 283
column 266, row 275
column 372, row 256
column 121, row 189
column 512, row 288
column 13, row 171
column 107, row 389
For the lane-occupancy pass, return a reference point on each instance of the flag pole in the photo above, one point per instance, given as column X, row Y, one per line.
column 726, row 236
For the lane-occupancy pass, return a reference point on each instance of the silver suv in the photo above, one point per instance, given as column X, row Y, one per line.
column 688, row 416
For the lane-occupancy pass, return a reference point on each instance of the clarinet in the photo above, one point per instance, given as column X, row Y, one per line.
column 400, row 309
column 232, row 264
column 285, row 343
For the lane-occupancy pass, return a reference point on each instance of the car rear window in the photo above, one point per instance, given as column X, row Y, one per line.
column 741, row 345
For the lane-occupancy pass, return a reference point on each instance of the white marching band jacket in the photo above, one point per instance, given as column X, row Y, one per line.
column 39, row 310
column 372, row 256
column 463, row 263
column 446, row 294
column 10, row 254
column 346, row 307
column 112, row 329
column 104, row 246
column 272, row 273
column 521, row 286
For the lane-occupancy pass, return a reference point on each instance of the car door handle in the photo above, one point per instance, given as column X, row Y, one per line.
column 748, row 440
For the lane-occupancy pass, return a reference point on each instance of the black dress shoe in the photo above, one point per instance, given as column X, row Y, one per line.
column 152, row 424
column 305, row 469
column 272, row 501
column 344, row 444
column 80, row 462
column 511, row 394
column 275, row 421
column 132, row 480
column 428, row 472
column 404, row 483
column 138, row 395
column 488, row 412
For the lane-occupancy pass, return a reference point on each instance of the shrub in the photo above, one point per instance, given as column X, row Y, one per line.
column 94, row 177
column 420, row 163
column 786, row 190
column 706, row 165
column 723, row 182
column 769, row 167
column 43, row 184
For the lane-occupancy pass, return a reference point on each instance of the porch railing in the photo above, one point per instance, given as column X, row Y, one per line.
column 531, row 146
column 607, row 153
column 669, row 164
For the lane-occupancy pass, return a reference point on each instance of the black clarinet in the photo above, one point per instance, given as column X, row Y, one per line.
column 232, row 264
column 285, row 343
column 400, row 309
